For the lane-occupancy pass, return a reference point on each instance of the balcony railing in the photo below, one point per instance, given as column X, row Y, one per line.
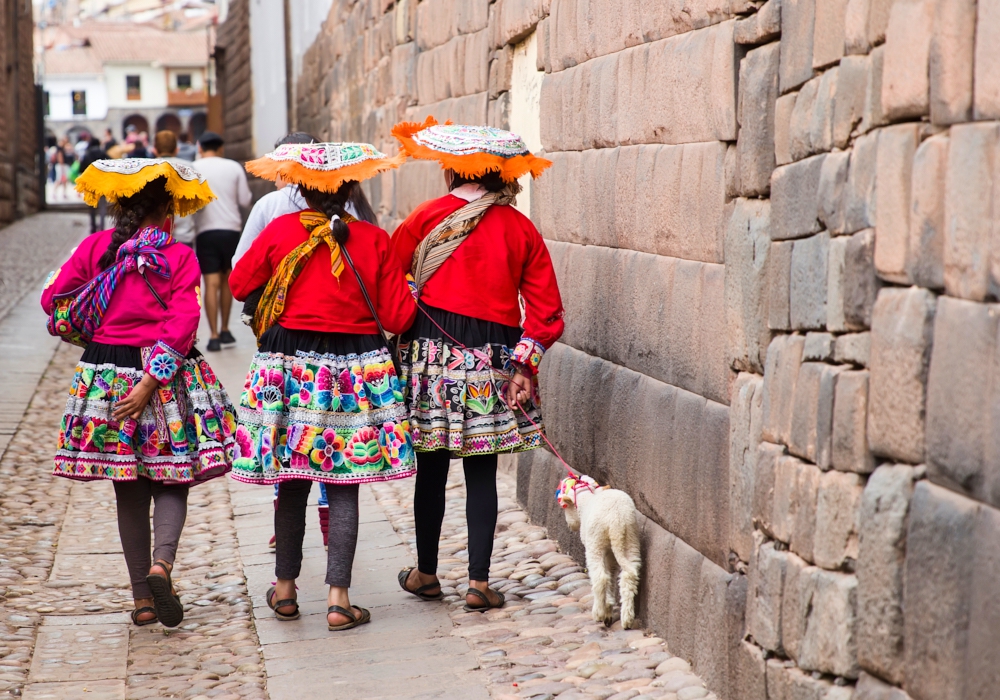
column 187, row 98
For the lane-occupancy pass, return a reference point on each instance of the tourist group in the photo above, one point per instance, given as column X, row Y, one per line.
column 378, row 357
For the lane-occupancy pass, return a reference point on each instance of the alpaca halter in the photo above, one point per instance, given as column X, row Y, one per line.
column 566, row 493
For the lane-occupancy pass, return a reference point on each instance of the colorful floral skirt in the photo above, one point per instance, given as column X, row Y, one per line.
column 185, row 435
column 322, row 406
column 456, row 395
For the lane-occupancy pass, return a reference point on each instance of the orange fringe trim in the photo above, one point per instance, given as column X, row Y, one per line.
column 468, row 166
column 329, row 181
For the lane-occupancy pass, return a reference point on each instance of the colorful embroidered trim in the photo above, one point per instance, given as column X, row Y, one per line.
column 163, row 362
column 323, row 166
column 528, row 353
column 124, row 177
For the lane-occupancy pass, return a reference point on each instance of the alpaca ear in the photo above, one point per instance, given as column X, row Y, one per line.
column 566, row 495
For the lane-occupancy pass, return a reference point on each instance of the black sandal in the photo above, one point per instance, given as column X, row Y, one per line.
column 359, row 619
column 271, row 592
column 142, row 611
column 482, row 596
column 405, row 574
column 166, row 603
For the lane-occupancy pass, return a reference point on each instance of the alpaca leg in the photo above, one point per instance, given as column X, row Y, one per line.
column 629, row 558
column 611, row 566
column 599, row 580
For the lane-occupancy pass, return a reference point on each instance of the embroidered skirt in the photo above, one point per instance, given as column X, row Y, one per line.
column 455, row 395
column 184, row 436
column 322, row 406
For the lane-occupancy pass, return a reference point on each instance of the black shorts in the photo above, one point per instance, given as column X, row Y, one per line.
column 215, row 250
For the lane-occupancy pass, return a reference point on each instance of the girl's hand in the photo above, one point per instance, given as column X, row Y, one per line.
column 133, row 405
column 519, row 388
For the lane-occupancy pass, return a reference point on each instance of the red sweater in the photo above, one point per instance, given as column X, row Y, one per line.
column 316, row 302
column 502, row 256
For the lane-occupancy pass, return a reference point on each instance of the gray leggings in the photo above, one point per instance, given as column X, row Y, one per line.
column 169, row 513
column 290, row 529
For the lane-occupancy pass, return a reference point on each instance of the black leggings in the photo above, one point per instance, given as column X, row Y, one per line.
column 290, row 529
column 480, row 509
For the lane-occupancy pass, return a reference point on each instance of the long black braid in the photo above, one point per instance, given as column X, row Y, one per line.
column 130, row 212
column 332, row 204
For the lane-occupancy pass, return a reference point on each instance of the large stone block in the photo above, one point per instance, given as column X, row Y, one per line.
column 853, row 348
column 829, row 643
column 837, row 512
column 781, row 372
column 793, row 520
column 538, row 474
column 710, row 655
column 968, row 212
column 783, row 110
column 832, row 179
column 749, row 673
column 925, row 249
column 761, row 27
column 963, row 447
column 859, row 192
column 746, row 295
column 905, row 86
column 779, row 278
column 835, row 291
column 794, row 197
column 856, row 27
column 879, row 12
column 885, row 507
column 796, row 599
column 745, row 425
column 812, row 417
column 755, row 146
column 861, row 283
column 682, row 614
column 951, row 56
column 763, row 487
column 852, row 81
column 871, row 688
column 849, row 442
column 798, row 18
column 828, row 33
column 986, row 88
column 873, row 117
column 766, row 583
column 902, row 327
column 800, row 139
column 808, row 282
column 896, row 147
column 517, row 19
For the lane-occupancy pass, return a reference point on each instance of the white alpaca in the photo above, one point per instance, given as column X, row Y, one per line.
column 605, row 519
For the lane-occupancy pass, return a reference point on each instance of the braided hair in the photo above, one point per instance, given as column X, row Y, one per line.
column 332, row 204
column 129, row 213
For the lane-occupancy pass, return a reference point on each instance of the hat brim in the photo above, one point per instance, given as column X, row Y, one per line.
column 189, row 195
column 470, row 165
column 295, row 173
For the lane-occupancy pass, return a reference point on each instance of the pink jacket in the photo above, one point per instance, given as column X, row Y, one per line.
column 134, row 317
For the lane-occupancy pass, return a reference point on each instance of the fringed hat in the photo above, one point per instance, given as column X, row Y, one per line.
column 323, row 166
column 114, row 179
column 470, row 151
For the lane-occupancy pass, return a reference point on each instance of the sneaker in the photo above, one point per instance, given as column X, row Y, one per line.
column 226, row 338
column 214, row 345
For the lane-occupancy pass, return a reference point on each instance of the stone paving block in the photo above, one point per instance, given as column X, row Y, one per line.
column 761, row 27
column 797, row 28
column 962, row 443
column 905, row 82
column 768, row 456
column 882, row 549
column 779, row 278
column 902, row 327
column 92, row 690
column 758, row 88
column 828, row 34
column 784, row 355
column 856, row 27
column 925, row 247
column 746, row 284
column 794, row 194
column 745, row 418
column 83, row 653
column 796, row 602
column 859, row 192
column 835, row 290
column 968, row 206
column 832, row 179
column 767, row 578
column 986, row 87
column 829, row 643
column 849, row 442
column 837, row 512
column 808, row 283
column 861, row 283
column 896, row 148
column 951, row 57
column 871, row 688
column 783, row 109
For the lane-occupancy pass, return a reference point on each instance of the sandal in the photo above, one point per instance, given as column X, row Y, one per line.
column 274, row 605
column 482, row 596
column 166, row 603
column 142, row 611
column 405, row 574
column 360, row 619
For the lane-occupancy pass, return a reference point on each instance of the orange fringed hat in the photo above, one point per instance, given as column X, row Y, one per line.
column 470, row 151
column 323, row 166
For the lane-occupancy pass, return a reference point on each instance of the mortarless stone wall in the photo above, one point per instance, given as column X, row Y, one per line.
column 19, row 182
column 774, row 228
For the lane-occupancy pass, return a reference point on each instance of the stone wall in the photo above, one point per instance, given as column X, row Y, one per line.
column 19, row 147
column 773, row 225
column 232, row 59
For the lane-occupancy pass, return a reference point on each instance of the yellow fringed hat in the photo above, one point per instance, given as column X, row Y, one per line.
column 323, row 166
column 114, row 179
column 470, row 151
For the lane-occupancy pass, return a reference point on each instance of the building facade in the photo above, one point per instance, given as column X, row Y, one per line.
column 773, row 225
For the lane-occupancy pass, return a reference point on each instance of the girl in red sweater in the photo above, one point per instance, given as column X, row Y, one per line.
column 321, row 400
column 472, row 353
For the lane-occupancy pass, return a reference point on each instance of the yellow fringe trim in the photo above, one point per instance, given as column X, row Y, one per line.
column 189, row 195
column 295, row 173
column 471, row 165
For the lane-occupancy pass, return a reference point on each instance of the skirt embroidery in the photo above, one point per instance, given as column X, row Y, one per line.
column 322, row 416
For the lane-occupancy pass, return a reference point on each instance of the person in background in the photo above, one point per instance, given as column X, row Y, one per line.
column 165, row 146
column 93, row 153
column 109, row 140
column 140, row 146
column 185, row 149
column 81, row 146
column 218, row 229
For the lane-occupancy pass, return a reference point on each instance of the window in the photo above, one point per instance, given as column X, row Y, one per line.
column 80, row 103
column 133, row 89
column 183, row 81
column 45, row 102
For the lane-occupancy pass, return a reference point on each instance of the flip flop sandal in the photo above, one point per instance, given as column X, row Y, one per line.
column 405, row 574
column 487, row 605
column 360, row 619
column 274, row 605
column 142, row 611
column 166, row 603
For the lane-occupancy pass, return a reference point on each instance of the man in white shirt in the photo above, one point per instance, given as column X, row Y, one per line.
column 165, row 146
column 218, row 226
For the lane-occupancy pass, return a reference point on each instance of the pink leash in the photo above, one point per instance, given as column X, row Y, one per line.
column 516, row 405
